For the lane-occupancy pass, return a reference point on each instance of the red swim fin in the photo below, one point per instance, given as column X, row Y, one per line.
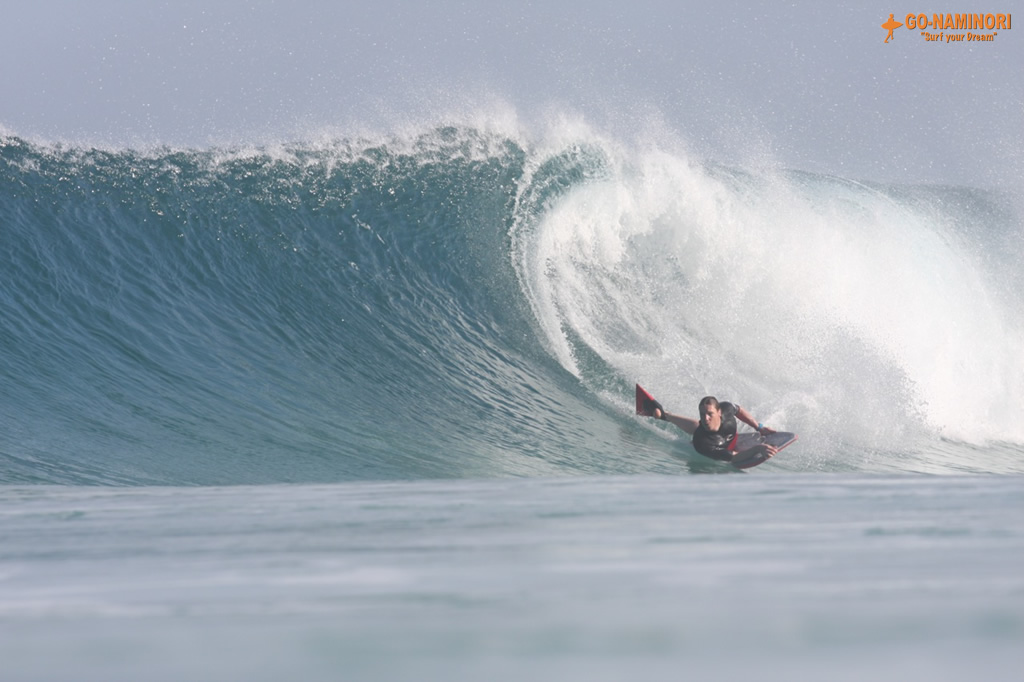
column 645, row 402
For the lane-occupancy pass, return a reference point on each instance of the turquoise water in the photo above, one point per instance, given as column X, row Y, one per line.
column 807, row 576
column 363, row 408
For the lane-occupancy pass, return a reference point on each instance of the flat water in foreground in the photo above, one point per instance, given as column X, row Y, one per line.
column 648, row 577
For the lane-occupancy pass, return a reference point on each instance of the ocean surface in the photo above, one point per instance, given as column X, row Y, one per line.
column 361, row 408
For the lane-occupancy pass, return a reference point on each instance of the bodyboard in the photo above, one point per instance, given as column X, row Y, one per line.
column 745, row 441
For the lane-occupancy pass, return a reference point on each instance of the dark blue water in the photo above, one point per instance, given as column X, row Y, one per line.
column 455, row 303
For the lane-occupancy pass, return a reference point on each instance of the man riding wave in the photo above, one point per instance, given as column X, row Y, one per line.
column 714, row 434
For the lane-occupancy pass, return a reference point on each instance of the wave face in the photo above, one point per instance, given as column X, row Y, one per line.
column 458, row 302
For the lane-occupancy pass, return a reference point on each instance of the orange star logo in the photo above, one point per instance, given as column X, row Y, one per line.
column 892, row 25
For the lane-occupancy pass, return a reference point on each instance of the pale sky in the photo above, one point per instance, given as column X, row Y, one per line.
column 814, row 85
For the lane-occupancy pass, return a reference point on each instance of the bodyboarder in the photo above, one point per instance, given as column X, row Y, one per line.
column 714, row 434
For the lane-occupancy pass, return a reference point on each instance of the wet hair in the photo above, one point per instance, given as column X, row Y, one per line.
column 707, row 400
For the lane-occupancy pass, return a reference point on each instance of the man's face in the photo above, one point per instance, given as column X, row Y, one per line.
column 709, row 415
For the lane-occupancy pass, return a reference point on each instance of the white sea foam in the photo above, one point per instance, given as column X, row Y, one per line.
column 868, row 313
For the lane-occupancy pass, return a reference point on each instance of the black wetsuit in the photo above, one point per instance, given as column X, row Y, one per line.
column 716, row 444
